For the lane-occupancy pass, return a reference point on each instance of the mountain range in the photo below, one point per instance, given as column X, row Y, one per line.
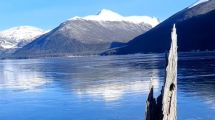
column 108, row 33
column 195, row 28
column 90, row 35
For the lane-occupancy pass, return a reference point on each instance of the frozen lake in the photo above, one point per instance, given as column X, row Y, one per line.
column 102, row 87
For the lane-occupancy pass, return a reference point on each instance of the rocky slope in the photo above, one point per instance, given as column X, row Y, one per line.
column 195, row 27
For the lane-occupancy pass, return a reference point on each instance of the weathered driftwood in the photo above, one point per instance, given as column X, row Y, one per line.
column 164, row 108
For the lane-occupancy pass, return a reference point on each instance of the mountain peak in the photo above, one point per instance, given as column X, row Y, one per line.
column 22, row 28
column 10, row 38
column 108, row 15
column 198, row 2
column 106, row 12
column 22, row 32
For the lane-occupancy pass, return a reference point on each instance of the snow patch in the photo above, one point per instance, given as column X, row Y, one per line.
column 10, row 38
column 108, row 15
column 22, row 32
column 198, row 3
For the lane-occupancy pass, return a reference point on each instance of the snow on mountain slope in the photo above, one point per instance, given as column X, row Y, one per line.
column 195, row 29
column 18, row 36
column 89, row 35
column 108, row 15
column 198, row 2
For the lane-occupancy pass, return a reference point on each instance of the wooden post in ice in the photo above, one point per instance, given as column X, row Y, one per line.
column 165, row 106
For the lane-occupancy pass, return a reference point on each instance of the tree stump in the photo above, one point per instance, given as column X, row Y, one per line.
column 164, row 108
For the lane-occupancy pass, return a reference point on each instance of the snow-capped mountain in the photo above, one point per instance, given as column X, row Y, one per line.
column 108, row 15
column 195, row 29
column 17, row 37
column 88, row 35
column 198, row 2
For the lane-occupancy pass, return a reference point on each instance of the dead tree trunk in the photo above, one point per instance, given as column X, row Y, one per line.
column 165, row 106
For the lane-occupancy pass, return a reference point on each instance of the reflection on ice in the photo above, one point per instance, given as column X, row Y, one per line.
column 15, row 77
column 114, row 91
column 211, row 102
column 196, row 79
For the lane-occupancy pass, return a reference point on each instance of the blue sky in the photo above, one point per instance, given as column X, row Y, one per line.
column 47, row 14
